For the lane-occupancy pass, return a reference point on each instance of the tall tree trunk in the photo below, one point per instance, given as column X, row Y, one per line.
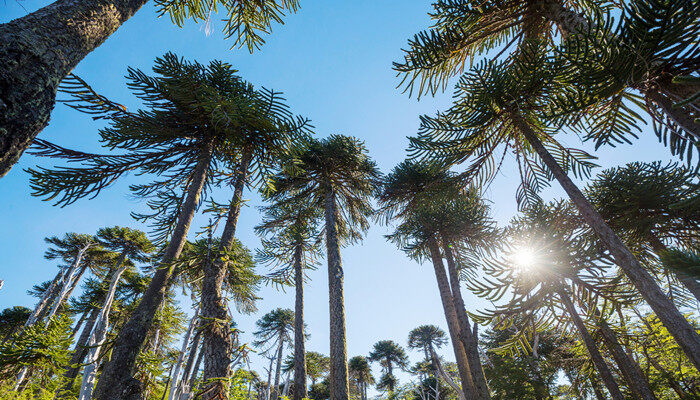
column 79, row 324
column 195, row 371
column 469, row 338
column 116, row 381
column 187, row 372
column 448, row 306
column 681, row 330
column 300, row 391
column 278, row 370
column 688, row 281
column 443, row 374
column 49, row 296
column 100, row 334
column 79, row 354
column 631, row 371
column 72, row 277
column 593, row 351
column 216, row 331
column 339, row 384
column 269, row 379
column 36, row 52
column 175, row 381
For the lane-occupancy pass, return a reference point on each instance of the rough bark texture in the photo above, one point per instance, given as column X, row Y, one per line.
column 452, row 322
column 79, row 353
column 216, row 331
column 596, row 357
column 185, row 382
column 116, row 381
column 673, row 320
column 300, row 391
column 469, row 338
column 176, row 378
column 688, row 281
column 278, row 369
column 678, row 115
column 36, row 52
column 339, row 387
column 631, row 371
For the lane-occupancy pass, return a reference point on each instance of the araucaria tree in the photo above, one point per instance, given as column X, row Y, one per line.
column 39, row 50
column 292, row 245
column 334, row 174
column 183, row 135
column 389, row 354
column 361, row 375
column 428, row 338
column 275, row 329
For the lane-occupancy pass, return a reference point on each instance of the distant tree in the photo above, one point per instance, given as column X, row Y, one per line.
column 389, row 354
column 275, row 329
column 428, row 338
column 11, row 320
column 361, row 375
column 317, row 366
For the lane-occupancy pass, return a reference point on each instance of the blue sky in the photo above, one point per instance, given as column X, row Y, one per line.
column 333, row 62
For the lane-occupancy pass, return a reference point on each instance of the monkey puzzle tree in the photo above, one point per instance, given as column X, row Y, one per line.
column 360, row 374
column 317, row 366
column 276, row 328
column 336, row 175
column 647, row 204
column 503, row 107
column 185, row 132
column 388, row 353
column 292, row 245
column 428, row 338
column 39, row 50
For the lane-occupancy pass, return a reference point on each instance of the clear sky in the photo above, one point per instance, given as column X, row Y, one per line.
column 333, row 62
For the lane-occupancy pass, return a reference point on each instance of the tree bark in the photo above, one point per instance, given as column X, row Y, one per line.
column 673, row 320
column 452, row 324
column 443, row 374
column 683, row 119
column 278, row 369
column 36, row 52
column 41, row 307
column 116, row 381
column 339, row 384
column 72, row 277
column 593, row 351
column 175, row 381
column 216, row 332
column 469, row 338
column 185, row 382
column 79, row 354
column 79, row 324
column 195, row 370
column 300, row 391
column 688, row 281
column 100, row 334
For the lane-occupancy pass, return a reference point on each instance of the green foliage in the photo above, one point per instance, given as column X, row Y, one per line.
column 11, row 319
column 275, row 326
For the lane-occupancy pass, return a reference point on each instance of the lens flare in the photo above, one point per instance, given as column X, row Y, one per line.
column 524, row 258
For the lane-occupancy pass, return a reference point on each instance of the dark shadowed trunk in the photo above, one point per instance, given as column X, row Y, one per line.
column 36, row 52
column 217, row 342
column 278, row 370
column 116, row 381
column 596, row 357
column 300, row 391
column 688, row 281
column 469, row 338
column 79, row 354
column 686, row 337
column 339, row 385
column 452, row 322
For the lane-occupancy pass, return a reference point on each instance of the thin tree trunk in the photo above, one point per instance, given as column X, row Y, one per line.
column 100, row 334
column 195, row 370
column 688, row 281
column 79, row 324
column 116, row 381
column 631, row 371
column 269, row 379
column 72, row 277
column 593, row 351
column 278, row 369
column 36, row 52
column 673, row 320
column 452, row 323
column 46, row 299
column 216, row 331
column 79, row 353
column 339, row 384
column 185, row 382
column 469, row 338
column 286, row 386
column 175, row 381
column 300, row 391
column 443, row 374
column 683, row 119
column 672, row 382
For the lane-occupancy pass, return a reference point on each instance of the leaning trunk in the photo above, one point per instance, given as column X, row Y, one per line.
column 36, row 52
column 300, row 391
column 278, row 370
column 116, row 381
column 687, row 280
column 443, row 374
column 593, row 351
column 48, row 297
column 339, row 387
column 72, row 277
column 175, row 381
column 79, row 354
column 218, row 343
column 100, row 335
column 686, row 337
column 469, row 338
column 452, row 324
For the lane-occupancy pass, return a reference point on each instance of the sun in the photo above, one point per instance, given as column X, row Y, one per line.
column 524, row 258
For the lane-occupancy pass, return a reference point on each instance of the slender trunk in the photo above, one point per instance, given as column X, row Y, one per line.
column 688, row 281
column 100, row 334
column 195, row 371
column 48, row 297
column 300, row 391
column 79, row 354
column 278, row 370
column 339, row 385
column 175, row 381
column 452, row 324
column 599, row 395
column 678, row 115
column 686, row 337
column 79, row 324
column 443, row 374
column 269, row 379
column 469, row 338
column 286, row 386
column 218, row 343
column 116, row 381
column 72, row 277
column 593, row 351
column 185, row 382
column 631, row 371
column 36, row 52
